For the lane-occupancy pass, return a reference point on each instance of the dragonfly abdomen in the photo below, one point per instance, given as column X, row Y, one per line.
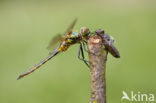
column 38, row 65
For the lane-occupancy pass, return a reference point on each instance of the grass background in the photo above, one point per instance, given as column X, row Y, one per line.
column 26, row 27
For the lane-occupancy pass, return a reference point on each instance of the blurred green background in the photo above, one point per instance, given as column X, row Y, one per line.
column 26, row 27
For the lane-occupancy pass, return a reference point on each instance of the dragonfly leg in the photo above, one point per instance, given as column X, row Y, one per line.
column 84, row 46
column 80, row 52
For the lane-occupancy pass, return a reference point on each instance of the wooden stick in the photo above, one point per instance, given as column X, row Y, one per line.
column 97, row 57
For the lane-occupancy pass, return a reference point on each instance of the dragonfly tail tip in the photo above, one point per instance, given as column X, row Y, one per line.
column 19, row 77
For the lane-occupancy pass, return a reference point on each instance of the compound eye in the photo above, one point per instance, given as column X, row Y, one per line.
column 84, row 31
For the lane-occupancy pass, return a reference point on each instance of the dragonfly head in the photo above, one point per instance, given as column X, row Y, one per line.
column 84, row 31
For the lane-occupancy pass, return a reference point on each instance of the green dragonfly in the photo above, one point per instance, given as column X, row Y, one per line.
column 69, row 39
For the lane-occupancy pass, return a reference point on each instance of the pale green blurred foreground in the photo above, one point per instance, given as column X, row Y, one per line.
column 26, row 28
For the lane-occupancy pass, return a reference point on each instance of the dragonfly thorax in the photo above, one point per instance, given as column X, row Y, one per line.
column 84, row 31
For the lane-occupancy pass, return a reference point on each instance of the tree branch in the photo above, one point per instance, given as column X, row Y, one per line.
column 97, row 57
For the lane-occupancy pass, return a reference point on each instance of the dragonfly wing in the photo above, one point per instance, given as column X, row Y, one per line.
column 70, row 28
column 57, row 39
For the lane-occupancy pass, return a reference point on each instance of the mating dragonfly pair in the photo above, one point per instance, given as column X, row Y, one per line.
column 73, row 38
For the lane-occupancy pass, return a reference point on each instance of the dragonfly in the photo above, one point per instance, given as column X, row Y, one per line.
column 108, row 41
column 70, row 38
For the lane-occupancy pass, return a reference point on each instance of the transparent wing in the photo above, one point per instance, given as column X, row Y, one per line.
column 70, row 28
column 59, row 38
column 55, row 40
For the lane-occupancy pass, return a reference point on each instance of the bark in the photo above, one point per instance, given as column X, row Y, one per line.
column 97, row 58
